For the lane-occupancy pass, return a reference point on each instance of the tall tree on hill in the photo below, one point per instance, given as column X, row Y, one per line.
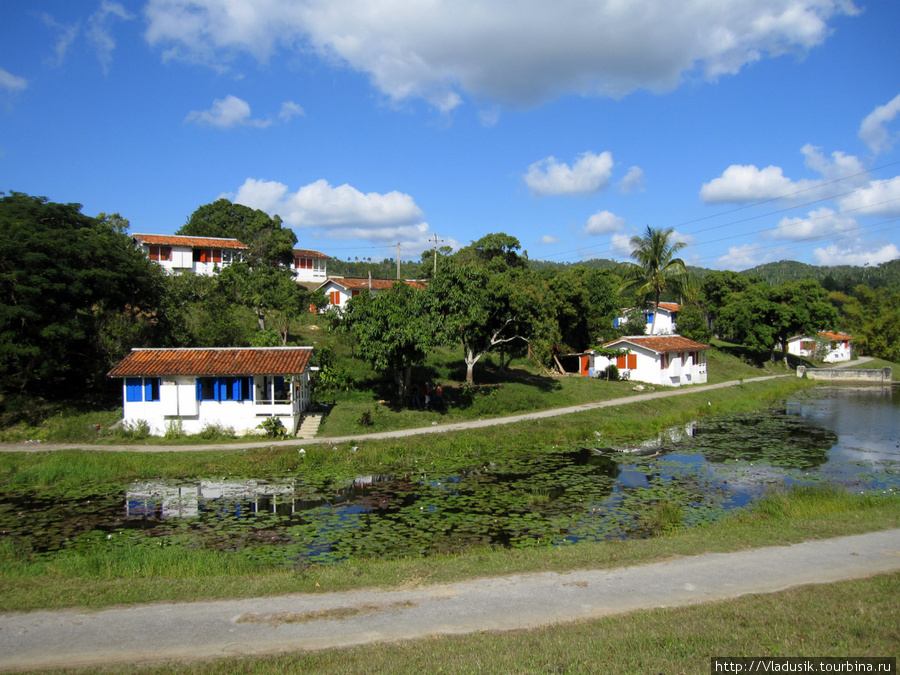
column 269, row 242
column 656, row 269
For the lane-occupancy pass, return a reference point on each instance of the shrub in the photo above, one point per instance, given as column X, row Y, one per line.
column 273, row 427
column 611, row 372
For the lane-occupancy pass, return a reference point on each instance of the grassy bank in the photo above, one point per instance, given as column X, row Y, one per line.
column 67, row 472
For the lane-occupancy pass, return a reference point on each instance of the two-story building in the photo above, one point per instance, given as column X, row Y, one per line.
column 177, row 253
column 666, row 318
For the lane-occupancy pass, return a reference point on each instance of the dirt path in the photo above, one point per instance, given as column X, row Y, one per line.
column 434, row 429
column 199, row 630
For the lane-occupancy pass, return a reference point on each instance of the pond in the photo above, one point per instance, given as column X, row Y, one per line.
column 537, row 497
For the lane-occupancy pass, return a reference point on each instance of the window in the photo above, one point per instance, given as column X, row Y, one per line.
column 334, row 297
column 217, row 255
column 139, row 389
column 626, row 361
column 205, row 255
column 224, row 389
column 303, row 263
column 808, row 345
column 354, row 293
column 160, row 252
column 663, row 361
column 273, row 389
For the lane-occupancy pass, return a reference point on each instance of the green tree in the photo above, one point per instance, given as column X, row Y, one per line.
column 872, row 317
column 585, row 305
column 75, row 295
column 799, row 307
column 656, row 269
column 692, row 324
column 394, row 330
column 491, row 306
column 269, row 242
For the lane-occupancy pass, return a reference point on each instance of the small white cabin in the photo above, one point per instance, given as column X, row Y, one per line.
column 830, row 347
column 668, row 360
column 235, row 388
column 339, row 290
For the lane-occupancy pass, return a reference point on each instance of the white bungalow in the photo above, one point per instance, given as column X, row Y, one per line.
column 177, row 253
column 669, row 360
column 666, row 318
column 339, row 290
column 831, row 347
column 235, row 388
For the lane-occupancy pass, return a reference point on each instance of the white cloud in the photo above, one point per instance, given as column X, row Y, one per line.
column 742, row 257
column 589, row 174
column 741, row 184
column 549, row 239
column 854, row 255
column 821, row 222
column 633, row 181
column 12, row 82
column 98, row 30
column 879, row 198
column 604, row 222
column 872, row 131
column 289, row 109
column 67, row 35
column 319, row 205
column 232, row 111
column 519, row 52
column 620, row 245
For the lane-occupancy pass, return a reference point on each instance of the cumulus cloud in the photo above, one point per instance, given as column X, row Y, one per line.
column 12, row 82
column 232, row 111
column 873, row 131
column 604, row 222
column 879, row 198
column 620, row 245
column 855, row 255
column 742, row 184
column 519, row 52
column 820, row 223
column 320, row 205
column 589, row 174
column 548, row 239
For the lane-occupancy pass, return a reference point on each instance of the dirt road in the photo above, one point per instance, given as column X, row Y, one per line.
column 318, row 621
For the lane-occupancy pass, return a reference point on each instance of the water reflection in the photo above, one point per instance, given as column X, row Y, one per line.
column 528, row 498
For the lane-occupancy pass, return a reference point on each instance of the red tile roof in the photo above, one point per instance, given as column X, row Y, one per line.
column 307, row 253
column 835, row 336
column 376, row 285
column 670, row 306
column 181, row 240
column 207, row 362
column 663, row 344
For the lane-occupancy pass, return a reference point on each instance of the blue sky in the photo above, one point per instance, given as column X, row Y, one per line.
column 760, row 130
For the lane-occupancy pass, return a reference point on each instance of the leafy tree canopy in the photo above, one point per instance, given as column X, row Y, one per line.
column 75, row 295
column 268, row 241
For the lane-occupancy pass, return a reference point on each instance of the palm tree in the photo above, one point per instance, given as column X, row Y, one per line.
column 655, row 268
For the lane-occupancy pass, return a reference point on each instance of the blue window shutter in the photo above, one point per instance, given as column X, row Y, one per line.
column 199, row 390
column 133, row 390
column 151, row 389
column 236, row 389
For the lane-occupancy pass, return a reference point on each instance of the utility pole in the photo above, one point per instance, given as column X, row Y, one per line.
column 398, row 261
column 435, row 251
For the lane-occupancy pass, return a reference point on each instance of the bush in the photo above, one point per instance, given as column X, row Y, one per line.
column 273, row 427
column 611, row 372
column 137, row 430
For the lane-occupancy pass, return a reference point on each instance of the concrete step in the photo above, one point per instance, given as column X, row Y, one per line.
column 309, row 425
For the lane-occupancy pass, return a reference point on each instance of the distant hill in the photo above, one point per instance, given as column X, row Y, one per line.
column 833, row 278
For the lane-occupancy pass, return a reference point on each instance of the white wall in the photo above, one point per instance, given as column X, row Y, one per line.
column 178, row 402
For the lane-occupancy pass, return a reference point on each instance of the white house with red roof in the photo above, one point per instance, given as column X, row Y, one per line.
column 236, row 388
column 830, row 347
column 177, row 253
column 666, row 318
column 339, row 290
column 666, row 360
column 309, row 266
